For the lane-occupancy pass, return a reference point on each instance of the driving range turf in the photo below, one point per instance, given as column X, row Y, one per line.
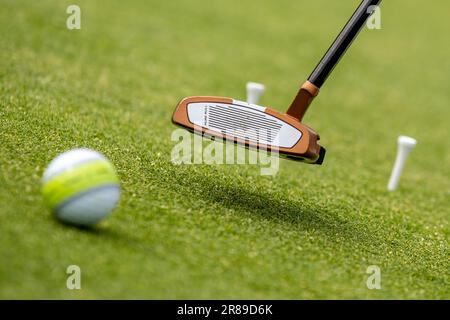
column 199, row 231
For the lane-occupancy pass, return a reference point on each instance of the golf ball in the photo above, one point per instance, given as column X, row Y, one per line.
column 81, row 187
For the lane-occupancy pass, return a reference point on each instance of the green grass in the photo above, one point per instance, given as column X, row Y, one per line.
column 225, row 231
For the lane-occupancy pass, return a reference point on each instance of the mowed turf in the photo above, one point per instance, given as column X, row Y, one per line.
column 225, row 231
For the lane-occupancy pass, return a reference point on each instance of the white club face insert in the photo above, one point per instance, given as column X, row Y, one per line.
column 405, row 146
column 244, row 121
column 254, row 92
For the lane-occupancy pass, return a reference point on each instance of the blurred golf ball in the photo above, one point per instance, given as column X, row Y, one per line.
column 81, row 187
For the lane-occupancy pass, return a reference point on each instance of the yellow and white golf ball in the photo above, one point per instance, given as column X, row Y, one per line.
column 81, row 187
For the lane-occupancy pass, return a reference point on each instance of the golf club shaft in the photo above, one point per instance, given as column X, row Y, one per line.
column 342, row 42
column 310, row 88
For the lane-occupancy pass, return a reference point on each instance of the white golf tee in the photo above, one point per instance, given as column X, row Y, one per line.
column 254, row 92
column 405, row 145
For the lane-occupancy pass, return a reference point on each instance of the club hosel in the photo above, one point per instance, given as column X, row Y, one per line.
column 310, row 88
column 308, row 91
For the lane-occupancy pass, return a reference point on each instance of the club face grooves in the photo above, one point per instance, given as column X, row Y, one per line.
column 240, row 122
column 298, row 143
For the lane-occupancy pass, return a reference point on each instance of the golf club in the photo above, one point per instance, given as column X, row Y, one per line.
column 260, row 127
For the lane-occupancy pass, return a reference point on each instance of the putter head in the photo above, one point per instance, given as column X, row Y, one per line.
column 249, row 125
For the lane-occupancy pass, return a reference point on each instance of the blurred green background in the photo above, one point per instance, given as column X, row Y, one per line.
column 226, row 231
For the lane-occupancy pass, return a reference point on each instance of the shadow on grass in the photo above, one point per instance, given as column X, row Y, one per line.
column 99, row 231
column 305, row 216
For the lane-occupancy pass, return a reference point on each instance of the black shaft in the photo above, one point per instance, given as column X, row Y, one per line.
column 342, row 42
